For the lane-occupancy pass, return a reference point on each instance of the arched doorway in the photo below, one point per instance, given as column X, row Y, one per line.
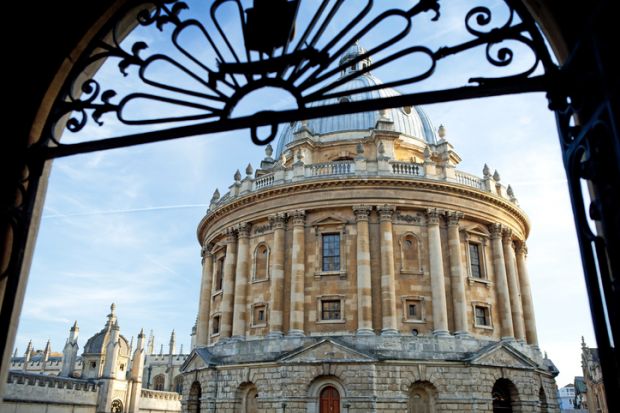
column 504, row 394
column 251, row 402
column 422, row 397
column 329, row 400
column 193, row 401
column 542, row 399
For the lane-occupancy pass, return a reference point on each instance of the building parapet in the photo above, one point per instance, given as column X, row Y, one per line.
column 160, row 395
column 347, row 169
column 43, row 380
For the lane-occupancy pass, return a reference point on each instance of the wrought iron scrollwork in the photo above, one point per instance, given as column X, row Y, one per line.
column 301, row 60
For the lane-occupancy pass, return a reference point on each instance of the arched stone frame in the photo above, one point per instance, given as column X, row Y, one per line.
column 117, row 406
column 417, row 266
column 542, row 399
column 194, row 398
column 246, row 396
column 177, row 383
column 316, row 387
column 159, row 382
column 505, row 388
column 476, row 235
column 265, row 265
column 422, row 397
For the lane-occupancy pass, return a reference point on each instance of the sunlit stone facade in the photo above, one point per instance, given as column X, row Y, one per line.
column 357, row 269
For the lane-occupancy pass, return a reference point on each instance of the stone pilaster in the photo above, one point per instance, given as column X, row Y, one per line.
column 457, row 281
column 388, row 288
column 438, row 287
column 503, row 295
column 513, row 285
column 526, row 296
column 364, row 288
column 228, row 287
column 298, row 274
column 241, row 280
column 204, row 305
column 278, row 222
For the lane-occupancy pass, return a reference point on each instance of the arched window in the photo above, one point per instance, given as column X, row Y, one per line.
column 422, row 397
column 159, row 382
column 504, row 395
column 178, row 384
column 193, row 401
column 261, row 262
column 329, row 400
column 410, row 254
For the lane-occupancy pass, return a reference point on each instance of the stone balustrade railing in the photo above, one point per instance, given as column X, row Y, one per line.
column 351, row 169
column 42, row 380
column 160, row 395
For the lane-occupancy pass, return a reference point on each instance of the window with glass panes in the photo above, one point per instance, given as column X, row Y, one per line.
column 482, row 316
column 219, row 277
column 331, row 252
column 474, row 260
column 330, row 310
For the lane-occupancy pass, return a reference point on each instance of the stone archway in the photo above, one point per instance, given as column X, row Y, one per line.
column 505, row 396
column 329, row 400
column 193, row 400
column 326, row 394
column 422, row 395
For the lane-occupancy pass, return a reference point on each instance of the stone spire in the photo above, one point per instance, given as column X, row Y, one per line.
column 70, row 352
column 172, row 348
column 150, row 347
column 112, row 352
column 111, row 316
column 28, row 354
column 135, row 376
column 15, row 353
column 47, row 351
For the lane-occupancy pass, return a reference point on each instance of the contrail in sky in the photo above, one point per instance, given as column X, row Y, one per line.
column 124, row 211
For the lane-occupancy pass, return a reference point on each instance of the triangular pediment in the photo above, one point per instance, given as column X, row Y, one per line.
column 502, row 355
column 330, row 220
column 327, row 351
column 198, row 359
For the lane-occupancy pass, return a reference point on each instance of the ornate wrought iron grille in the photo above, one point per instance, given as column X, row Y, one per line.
column 301, row 47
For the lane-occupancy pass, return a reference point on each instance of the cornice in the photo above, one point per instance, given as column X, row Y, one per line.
column 442, row 187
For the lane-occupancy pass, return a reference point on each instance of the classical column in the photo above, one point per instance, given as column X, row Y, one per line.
column 241, row 280
column 276, row 307
column 513, row 285
column 438, row 286
column 503, row 296
column 228, row 287
column 456, row 275
column 364, row 288
column 298, row 273
column 204, row 305
column 388, row 288
column 526, row 296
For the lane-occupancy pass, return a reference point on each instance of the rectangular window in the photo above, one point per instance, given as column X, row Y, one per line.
column 331, row 252
column 474, row 260
column 330, row 310
column 482, row 316
column 259, row 315
column 412, row 310
column 219, row 277
column 216, row 324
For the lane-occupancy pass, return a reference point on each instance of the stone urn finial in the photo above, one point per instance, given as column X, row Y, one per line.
column 486, row 172
column 237, row 176
column 216, row 195
column 249, row 170
column 427, row 154
column 359, row 149
column 441, row 132
column 268, row 151
column 496, row 176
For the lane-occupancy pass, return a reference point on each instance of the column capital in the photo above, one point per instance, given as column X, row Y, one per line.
column 231, row 235
column 495, row 230
column 277, row 221
column 506, row 235
column 299, row 216
column 432, row 216
column 521, row 248
column 386, row 212
column 361, row 212
column 243, row 229
column 454, row 217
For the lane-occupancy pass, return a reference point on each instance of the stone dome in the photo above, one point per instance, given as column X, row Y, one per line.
column 412, row 122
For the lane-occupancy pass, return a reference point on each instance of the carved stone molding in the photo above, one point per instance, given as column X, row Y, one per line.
column 495, row 230
column 361, row 212
column 432, row 216
column 299, row 217
column 454, row 217
column 506, row 235
column 277, row 221
column 386, row 212
column 521, row 248
column 230, row 235
column 243, row 229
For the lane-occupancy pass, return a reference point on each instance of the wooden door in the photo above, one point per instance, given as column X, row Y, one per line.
column 329, row 400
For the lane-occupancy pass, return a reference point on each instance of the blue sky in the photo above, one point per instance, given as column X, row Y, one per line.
column 119, row 226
